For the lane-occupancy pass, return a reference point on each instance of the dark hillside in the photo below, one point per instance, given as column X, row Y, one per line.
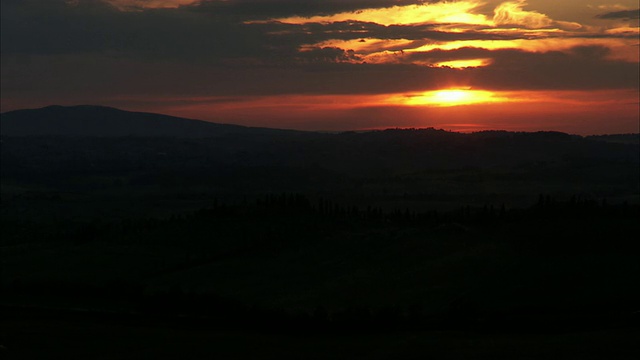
column 426, row 168
column 102, row 121
column 164, row 228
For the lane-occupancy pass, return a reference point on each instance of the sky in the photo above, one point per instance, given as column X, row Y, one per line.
column 333, row 65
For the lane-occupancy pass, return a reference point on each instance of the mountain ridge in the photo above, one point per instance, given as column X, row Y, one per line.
column 103, row 121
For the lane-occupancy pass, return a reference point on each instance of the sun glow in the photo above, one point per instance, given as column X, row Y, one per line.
column 460, row 12
column 450, row 97
column 462, row 64
column 380, row 51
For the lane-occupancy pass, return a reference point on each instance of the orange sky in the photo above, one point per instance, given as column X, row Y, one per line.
column 577, row 112
column 330, row 65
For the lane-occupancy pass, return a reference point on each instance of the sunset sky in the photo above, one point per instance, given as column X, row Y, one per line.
column 467, row 65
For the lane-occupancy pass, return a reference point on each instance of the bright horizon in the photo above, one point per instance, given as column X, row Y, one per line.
column 465, row 65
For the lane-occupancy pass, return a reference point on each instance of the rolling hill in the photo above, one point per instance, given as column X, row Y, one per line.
column 149, row 219
column 100, row 121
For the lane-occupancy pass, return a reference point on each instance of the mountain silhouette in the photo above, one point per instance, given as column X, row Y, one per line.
column 100, row 121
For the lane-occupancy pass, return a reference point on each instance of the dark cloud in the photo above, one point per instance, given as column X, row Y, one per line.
column 350, row 30
column 53, row 27
column 625, row 14
column 264, row 9
column 327, row 54
column 582, row 68
column 85, row 77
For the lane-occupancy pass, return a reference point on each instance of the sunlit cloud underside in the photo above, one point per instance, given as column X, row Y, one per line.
column 460, row 12
column 513, row 26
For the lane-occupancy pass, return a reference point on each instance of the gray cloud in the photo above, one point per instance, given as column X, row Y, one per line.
column 263, row 9
column 85, row 77
column 53, row 27
column 583, row 68
column 625, row 14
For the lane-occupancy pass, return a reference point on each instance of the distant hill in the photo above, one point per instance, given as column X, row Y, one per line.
column 86, row 120
column 617, row 138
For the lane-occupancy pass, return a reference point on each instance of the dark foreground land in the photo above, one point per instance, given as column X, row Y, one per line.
column 76, row 339
column 230, row 242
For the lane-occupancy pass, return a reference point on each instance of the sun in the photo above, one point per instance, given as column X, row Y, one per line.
column 450, row 97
